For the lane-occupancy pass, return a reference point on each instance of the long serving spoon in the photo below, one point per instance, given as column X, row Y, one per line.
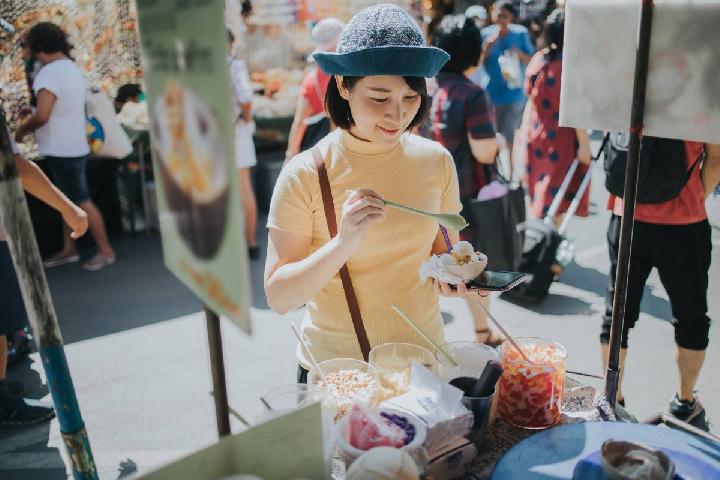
column 453, row 221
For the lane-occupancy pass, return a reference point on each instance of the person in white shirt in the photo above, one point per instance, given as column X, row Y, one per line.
column 14, row 410
column 244, row 146
column 59, row 126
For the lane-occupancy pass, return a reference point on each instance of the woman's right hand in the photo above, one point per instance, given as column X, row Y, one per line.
column 361, row 209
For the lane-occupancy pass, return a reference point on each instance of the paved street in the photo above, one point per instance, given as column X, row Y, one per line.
column 137, row 350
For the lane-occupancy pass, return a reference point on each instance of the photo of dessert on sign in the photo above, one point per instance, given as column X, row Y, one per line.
column 192, row 161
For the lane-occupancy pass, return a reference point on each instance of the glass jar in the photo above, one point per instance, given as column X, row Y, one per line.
column 530, row 393
column 393, row 362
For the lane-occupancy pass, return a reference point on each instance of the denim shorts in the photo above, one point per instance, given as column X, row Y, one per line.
column 69, row 176
column 508, row 119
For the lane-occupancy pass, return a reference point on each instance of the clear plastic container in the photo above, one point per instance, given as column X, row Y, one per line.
column 349, row 381
column 288, row 398
column 470, row 356
column 393, row 361
column 530, row 394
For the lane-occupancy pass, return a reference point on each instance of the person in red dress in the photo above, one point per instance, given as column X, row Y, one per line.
column 551, row 148
column 314, row 86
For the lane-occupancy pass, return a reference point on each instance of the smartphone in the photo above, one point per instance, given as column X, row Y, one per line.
column 496, row 281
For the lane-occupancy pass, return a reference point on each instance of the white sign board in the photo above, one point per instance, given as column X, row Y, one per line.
column 683, row 90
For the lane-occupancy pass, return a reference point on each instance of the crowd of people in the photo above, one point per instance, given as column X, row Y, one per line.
column 474, row 85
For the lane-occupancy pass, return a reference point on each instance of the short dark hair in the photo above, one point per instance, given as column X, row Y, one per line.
column 555, row 32
column 127, row 91
column 460, row 38
column 246, row 8
column 505, row 5
column 339, row 109
column 46, row 37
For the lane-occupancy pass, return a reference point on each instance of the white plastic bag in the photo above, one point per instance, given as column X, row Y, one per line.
column 510, row 69
column 112, row 142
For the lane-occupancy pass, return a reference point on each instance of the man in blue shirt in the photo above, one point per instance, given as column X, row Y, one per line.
column 507, row 44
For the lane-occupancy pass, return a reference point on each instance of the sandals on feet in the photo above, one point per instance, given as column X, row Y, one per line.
column 98, row 262
column 490, row 340
column 60, row 259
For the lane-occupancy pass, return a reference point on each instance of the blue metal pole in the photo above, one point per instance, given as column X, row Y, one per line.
column 41, row 312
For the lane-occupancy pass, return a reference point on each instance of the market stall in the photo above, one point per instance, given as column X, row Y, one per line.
column 275, row 43
column 103, row 35
column 468, row 411
column 449, row 411
column 105, row 45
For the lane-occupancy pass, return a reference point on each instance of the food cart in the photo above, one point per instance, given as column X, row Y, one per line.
column 491, row 451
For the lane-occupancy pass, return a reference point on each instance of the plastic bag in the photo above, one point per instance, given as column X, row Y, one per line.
column 367, row 429
column 510, row 69
column 437, row 403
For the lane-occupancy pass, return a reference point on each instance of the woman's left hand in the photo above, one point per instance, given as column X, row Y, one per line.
column 460, row 290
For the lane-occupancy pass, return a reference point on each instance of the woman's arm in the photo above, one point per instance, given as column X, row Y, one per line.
column 302, row 111
column 710, row 172
column 292, row 277
column 45, row 104
column 38, row 185
column 246, row 109
column 484, row 150
column 584, row 154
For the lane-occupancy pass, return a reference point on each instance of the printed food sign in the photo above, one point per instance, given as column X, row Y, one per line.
column 184, row 49
column 599, row 64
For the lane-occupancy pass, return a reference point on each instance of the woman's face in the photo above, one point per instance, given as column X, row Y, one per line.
column 382, row 107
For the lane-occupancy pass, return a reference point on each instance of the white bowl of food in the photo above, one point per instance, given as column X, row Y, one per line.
column 348, row 380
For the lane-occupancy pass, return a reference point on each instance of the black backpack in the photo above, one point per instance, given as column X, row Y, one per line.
column 663, row 172
column 317, row 127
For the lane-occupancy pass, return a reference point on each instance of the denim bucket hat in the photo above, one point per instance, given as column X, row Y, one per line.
column 382, row 40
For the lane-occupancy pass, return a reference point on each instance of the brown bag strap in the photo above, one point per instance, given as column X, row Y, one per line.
column 329, row 208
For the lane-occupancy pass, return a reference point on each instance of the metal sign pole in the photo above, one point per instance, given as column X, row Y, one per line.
column 217, row 367
column 41, row 312
column 637, row 115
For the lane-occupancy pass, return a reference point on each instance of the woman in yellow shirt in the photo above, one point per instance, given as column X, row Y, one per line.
column 376, row 96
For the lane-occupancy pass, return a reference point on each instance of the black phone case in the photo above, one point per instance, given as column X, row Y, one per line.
column 480, row 283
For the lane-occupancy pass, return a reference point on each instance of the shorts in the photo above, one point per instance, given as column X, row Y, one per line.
column 70, row 177
column 244, row 146
column 508, row 119
column 12, row 309
column 681, row 254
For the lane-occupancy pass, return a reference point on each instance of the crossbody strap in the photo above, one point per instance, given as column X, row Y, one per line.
column 329, row 207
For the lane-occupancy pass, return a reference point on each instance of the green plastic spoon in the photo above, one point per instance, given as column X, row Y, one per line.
column 453, row 221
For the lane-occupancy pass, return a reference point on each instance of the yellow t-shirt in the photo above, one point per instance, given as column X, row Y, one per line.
column 416, row 172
